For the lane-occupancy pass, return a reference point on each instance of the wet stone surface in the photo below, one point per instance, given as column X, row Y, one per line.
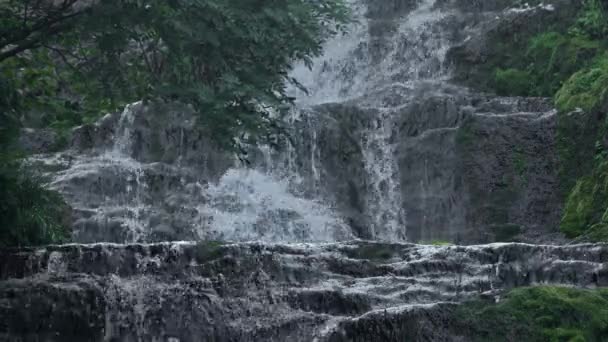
column 268, row 292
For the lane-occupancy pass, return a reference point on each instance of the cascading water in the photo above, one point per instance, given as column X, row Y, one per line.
column 350, row 70
column 282, row 198
column 248, row 205
column 372, row 152
column 375, row 150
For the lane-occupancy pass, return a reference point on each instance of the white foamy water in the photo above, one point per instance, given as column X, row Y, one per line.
column 347, row 71
column 340, row 72
column 250, row 205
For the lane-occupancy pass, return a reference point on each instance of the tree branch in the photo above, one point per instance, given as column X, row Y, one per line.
column 43, row 24
column 30, row 42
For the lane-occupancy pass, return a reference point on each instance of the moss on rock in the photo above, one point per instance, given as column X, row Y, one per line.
column 539, row 314
column 208, row 251
column 512, row 82
column 586, row 89
column 371, row 251
column 586, row 209
column 568, row 62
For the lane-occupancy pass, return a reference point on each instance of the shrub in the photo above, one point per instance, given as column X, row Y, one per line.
column 553, row 57
column 587, row 205
column 29, row 213
column 540, row 314
column 512, row 82
column 586, row 89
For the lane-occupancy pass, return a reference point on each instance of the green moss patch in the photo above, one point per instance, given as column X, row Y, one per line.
column 208, row 251
column 505, row 232
column 372, row 252
column 512, row 82
column 436, row 243
column 539, row 314
column 586, row 89
column 587, row 204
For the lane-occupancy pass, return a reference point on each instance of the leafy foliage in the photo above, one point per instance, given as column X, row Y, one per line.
column 593, row 21
column 67, row 62
column 540, row 64
column 512, row 82
column 586, row 210
column 539, row 314
column 29, row 213
column 550, row 59
column 586, row 89
column 227, row 58
column 582, row 135
column 576, row 143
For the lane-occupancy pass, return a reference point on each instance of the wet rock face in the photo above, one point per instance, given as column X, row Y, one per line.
column 488, row 38
column 509, row 168
column 136, row 175
column 38, row 141
column 470, row 167
column 256, row 292
column 387, row 146
column 478, row 168
column 65, row 310
column 155, row 133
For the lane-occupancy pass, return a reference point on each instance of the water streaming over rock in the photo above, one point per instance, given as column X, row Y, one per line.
column 384, row 147
column 375, row 150
column 270, row 292
column 268, row 203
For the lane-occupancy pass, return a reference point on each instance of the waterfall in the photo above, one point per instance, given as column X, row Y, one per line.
column 248, row 205
column 384, row 146
column 371, row 154
column 346, row 71
column 350, row 70
column 142, row 185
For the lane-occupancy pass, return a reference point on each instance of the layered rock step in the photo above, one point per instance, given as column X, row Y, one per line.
column 273, row 292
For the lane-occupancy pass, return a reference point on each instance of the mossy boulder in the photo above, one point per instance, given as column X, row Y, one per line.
column 539, row 314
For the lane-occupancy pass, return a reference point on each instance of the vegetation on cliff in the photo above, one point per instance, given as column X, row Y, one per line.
column 570, row 64
column 539, row 314
column 64, row 63
column 29, row 214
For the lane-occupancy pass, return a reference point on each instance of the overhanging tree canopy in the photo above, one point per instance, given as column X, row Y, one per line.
column 228, row 58
column 64, row 62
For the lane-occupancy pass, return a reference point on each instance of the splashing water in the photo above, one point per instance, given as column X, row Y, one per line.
column 350, row 70
column 250, row 205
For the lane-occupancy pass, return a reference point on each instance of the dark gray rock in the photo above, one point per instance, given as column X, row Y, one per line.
column 490, row 37
column 258, row 292
column 479, row 168
column 70, row 309
column 33, row 141
column 136, row 175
